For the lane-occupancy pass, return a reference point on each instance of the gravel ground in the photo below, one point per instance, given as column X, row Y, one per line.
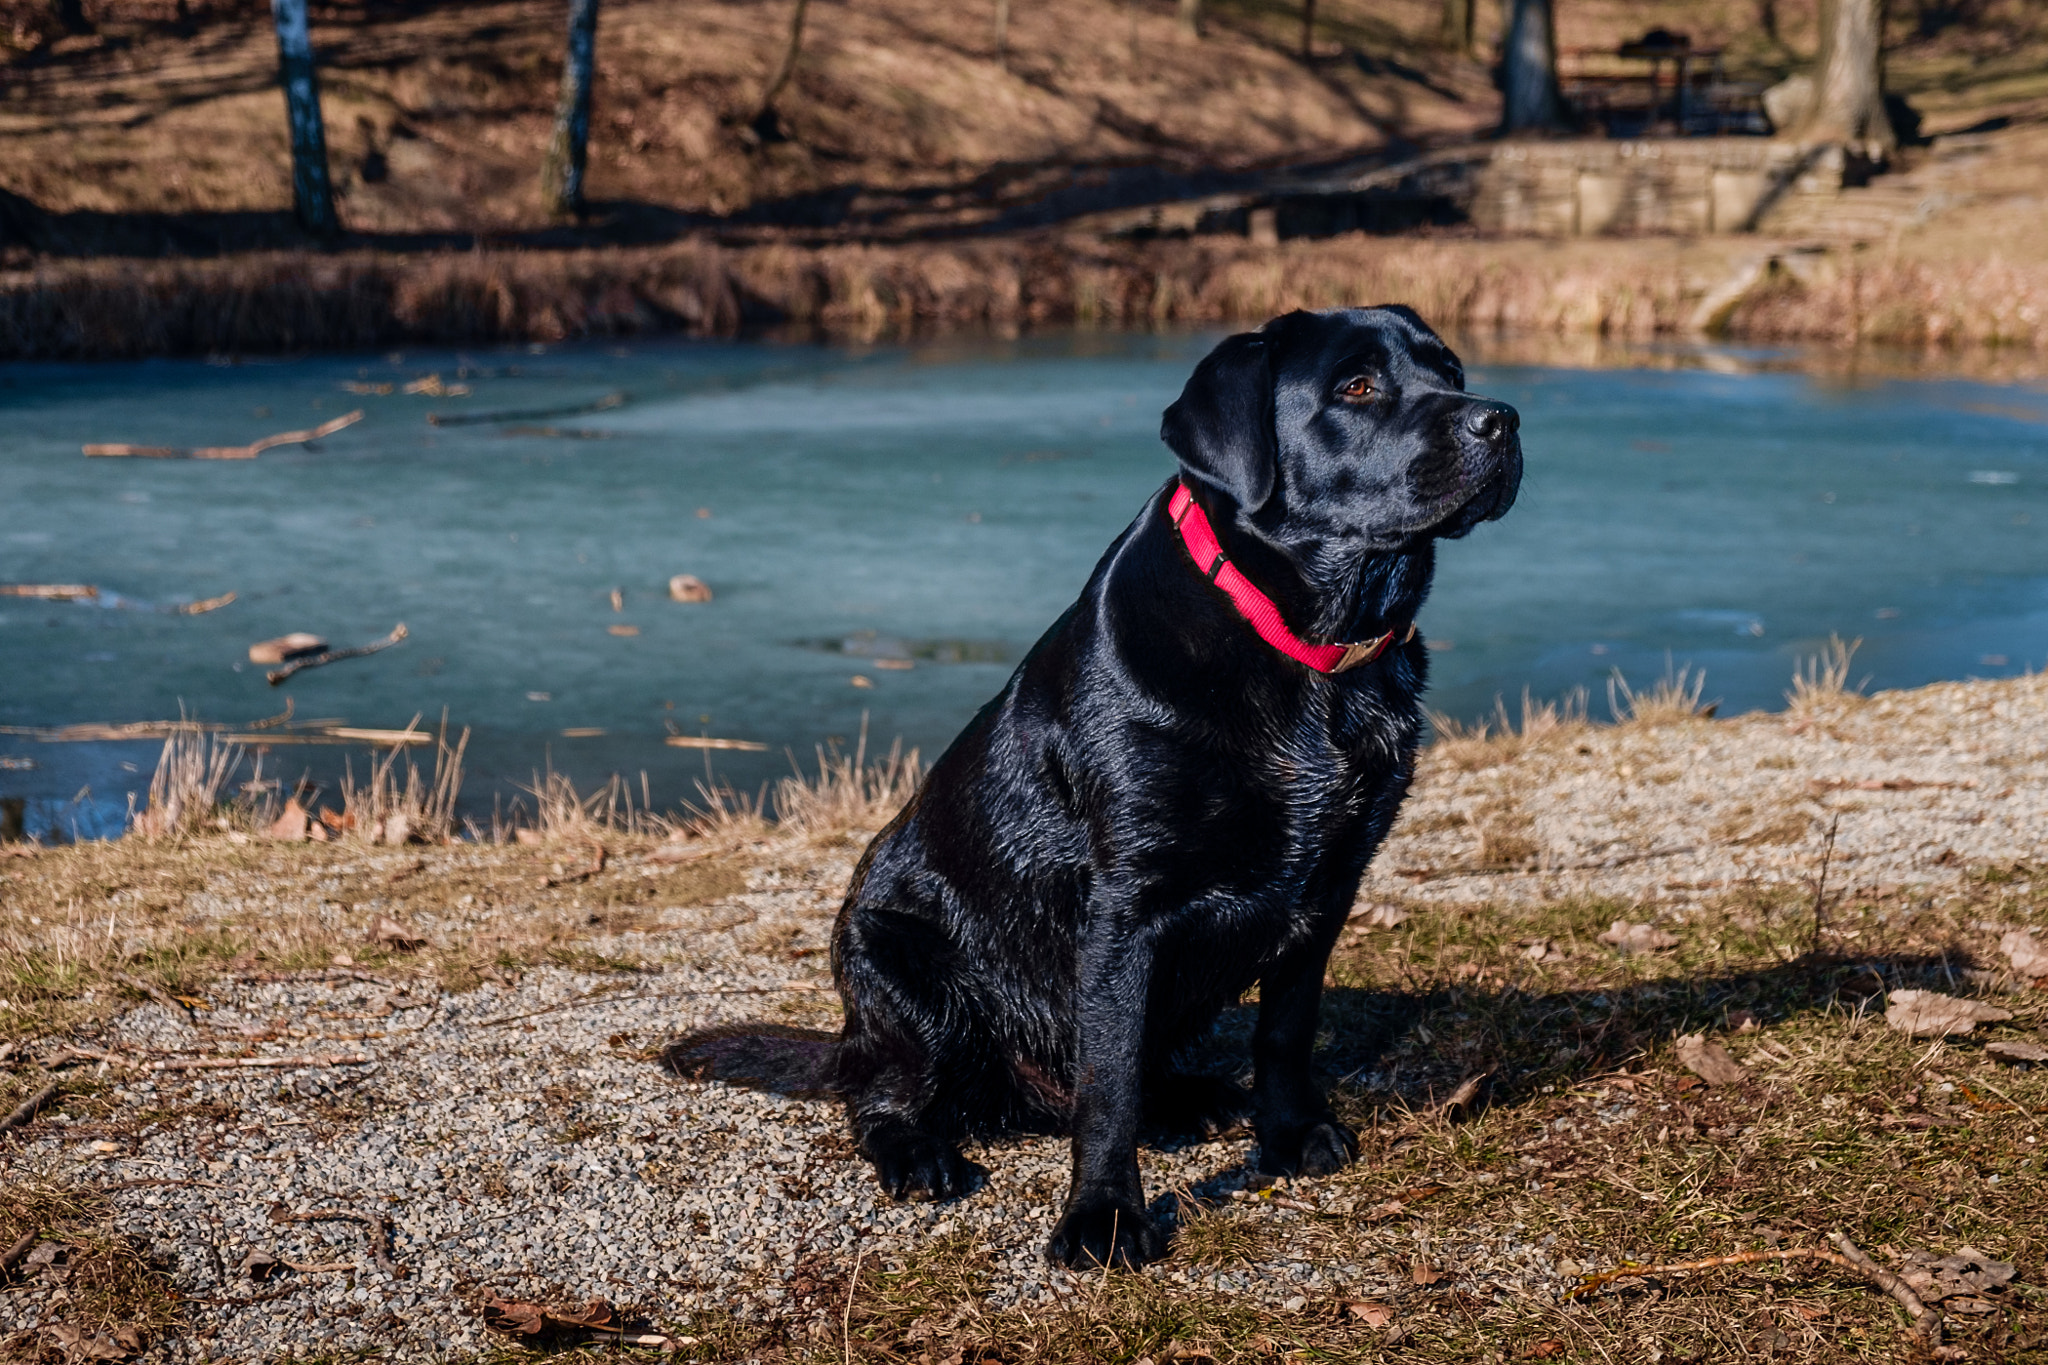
column 524, row 1137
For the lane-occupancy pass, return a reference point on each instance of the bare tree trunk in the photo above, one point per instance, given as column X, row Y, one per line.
column 71, row 17
column 1767, row 19
column 312, row 192
column 786, row 68
column 1460, row 18
column 1191, row 17
column 1002, row 29
column 1530, row 98
column 1848, row 81
column 1308, row 29
column 561, row 173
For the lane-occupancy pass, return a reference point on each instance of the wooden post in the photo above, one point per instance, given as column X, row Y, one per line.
column 312, row 193
column 561, row 174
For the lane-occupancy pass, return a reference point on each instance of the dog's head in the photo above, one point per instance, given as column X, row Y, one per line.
column 1351, row 425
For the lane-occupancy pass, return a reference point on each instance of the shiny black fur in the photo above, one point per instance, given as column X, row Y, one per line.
column 1160, row 810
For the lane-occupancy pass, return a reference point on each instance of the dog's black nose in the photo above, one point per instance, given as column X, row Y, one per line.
column 1492, row 422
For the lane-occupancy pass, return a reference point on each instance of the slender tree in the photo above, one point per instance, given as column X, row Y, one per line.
column 764, row 117
column 1848, row 80
column 1457, row 28
column 312, row 192
column 1308, row 29
column 71, row 17
column 561, row 173
column 1531, row 101
column 1002, row 29
column 1191, row 17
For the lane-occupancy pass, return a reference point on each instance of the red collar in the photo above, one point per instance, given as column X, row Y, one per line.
column 1257, row 608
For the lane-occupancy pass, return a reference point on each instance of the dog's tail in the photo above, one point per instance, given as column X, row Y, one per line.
column 772, row 1057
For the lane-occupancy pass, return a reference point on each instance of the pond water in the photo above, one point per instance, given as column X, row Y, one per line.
column 913, row 517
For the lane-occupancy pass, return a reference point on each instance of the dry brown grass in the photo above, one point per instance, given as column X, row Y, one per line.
column 1499, row 738
column 186, row 791
column 1820, row 689
column 390, row 809
column 1674, row 697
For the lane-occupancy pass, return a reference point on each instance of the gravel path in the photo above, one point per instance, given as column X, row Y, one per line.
column 526, row 1138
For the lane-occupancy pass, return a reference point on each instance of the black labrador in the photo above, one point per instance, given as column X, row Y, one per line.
column 1178, row 791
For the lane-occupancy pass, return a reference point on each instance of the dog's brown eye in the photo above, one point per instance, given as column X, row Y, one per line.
column 1360, row 387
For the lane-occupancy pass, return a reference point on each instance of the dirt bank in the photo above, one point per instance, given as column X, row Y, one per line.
column 510, row 1130
column 1743, row 288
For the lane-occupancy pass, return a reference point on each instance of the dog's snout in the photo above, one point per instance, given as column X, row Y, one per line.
column 1492, row 422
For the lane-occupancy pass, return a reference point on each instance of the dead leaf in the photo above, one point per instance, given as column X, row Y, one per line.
column 79, row 1345
column 1462, row 1097
column 259, row 1264
column 1631, row 939
column 2029, row 955
column 389, row 933
column 1743, row 1021
column 291, row 823
column 1540, row 950
column 1968, row 1271
column 1543, row 1350
column 2013, row 1050
column 520, row 1319
column 1930, row 1014
column 1967, row 1303
column 1378, row 916
column 1708, row 1061
column 1424, row 1273
column 1368, row 1312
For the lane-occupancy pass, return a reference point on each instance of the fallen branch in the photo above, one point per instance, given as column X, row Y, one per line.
column 1279, row 1201
column 158, row 994
column 377, row 1223
column 1430, row 874
column 600, row 997
column 247, row 452
column 232, row 1063
column 27, row 1109
column 204, row 605
column 597, row 862
column 278, row 675
column 51, row 592
column 1926, row 1321
column 468, row 419
column 745, row 746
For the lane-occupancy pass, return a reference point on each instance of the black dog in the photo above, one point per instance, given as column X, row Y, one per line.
column 1176, row 795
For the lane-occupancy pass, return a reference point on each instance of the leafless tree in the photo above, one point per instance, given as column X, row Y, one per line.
column 1459, row 24
column 312, row 192
column 561, row 173
column 1530, row 98
column 1308, row 29
column 1191, row 17
column 1848, row 80
column 1002, row 29
column 764, row 117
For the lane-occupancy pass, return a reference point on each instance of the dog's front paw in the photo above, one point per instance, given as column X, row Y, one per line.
column 1104, row 1231
column 913, row 1165
column 1321, row 1148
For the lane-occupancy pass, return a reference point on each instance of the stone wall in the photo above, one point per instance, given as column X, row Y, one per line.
column 1690, row 186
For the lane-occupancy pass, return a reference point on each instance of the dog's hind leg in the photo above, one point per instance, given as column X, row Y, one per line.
column 892, row 978
column 1182, row 1105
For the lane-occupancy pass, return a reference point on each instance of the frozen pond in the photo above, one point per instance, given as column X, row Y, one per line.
column 928, row 507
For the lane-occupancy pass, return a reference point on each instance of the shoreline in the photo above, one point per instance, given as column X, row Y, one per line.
column 1738, row 289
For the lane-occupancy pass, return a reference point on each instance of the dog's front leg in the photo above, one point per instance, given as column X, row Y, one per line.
column 1104, row 1222
column 1298, row 1134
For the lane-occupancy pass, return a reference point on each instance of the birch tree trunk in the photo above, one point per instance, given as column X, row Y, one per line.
column 1531, row 102
column 1848, row 80
column 312, row 192
column 561, row 174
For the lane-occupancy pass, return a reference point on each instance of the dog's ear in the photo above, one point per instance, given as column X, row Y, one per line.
column 1221, row 426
